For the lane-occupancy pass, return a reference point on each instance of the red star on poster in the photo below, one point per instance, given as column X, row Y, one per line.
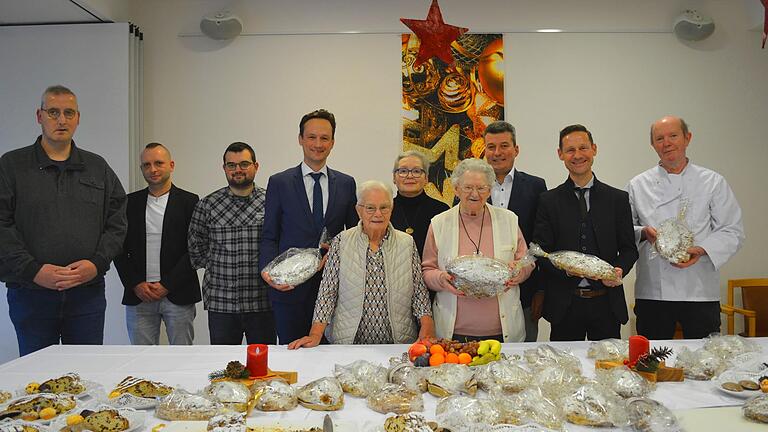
column 435, row 35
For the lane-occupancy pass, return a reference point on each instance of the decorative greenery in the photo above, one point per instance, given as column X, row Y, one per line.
column 234, row 370
column 650, row 362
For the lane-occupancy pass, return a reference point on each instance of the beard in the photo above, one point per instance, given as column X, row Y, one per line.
column 240, row 182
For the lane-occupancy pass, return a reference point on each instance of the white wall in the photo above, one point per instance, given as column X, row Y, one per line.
column 202, row 94
column 93, row 61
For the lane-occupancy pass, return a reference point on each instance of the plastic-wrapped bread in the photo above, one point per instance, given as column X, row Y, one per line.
column 274, row 395
column 361, row 377
column 181, row 405
column 595, row 405
column 609, row 349
column 648, row 415
column 466, row 413
column 673, row 237
column 577, row 264
column 233, row 395
column 324, row 394
column 294, row 266
column 451, row 379
column 625, row 382
column 481, row 276
column 395, row 398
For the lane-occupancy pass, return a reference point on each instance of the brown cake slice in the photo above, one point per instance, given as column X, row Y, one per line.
column 69, row 383
column 142, row 388
column 107, row 420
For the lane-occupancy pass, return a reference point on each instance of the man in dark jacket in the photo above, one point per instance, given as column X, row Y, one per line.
column 62, row 221
column 585, row 215
column 160, row 283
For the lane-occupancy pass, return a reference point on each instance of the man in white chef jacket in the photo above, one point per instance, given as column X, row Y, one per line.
column 689, row 292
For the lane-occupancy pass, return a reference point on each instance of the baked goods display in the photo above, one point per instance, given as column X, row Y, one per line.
column 139, row 393
column 181, row 405
column 595, row 405
column 395, row 398
column 274, row 395
column 625, row 382
column 609, row 350
column 648, row 415
column 503, row 377
column 324, row 394
column 227, row 422
column 451, row 379
column 405, row 373
column 756, row 409
column 8, row 425
column 42, row 406
column 69, row 383
column 466, row 413
column 233, row 395
column 411, row 422
column 103, row 420
column 361, row 377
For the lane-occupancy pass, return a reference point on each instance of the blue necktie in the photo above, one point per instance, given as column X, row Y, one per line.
column 317, row 201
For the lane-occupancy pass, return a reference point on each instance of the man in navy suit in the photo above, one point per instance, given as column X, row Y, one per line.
column 160, row 283
column 518, row 192
column 586, row 215
column 300, row 202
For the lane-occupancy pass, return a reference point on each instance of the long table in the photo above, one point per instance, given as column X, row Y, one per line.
column 188, row 367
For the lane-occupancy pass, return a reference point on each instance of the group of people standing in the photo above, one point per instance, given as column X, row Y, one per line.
column 64, row 217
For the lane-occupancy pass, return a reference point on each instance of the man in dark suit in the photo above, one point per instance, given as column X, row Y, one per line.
column 300, row 202
column 588, row 216
column 160, row 283
column 519, row 192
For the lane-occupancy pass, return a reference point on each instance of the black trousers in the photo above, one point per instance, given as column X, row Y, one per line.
column 229, row 328
column 587, row 317
column 656, row 319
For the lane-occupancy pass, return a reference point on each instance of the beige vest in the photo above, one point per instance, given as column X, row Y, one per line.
column 398, row 252
column 445, row 227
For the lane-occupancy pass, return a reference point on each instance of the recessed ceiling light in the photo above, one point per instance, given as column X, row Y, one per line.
column 550, row 30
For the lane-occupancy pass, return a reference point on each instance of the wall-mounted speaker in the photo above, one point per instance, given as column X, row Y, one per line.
column 692, row 26
column 221, row 26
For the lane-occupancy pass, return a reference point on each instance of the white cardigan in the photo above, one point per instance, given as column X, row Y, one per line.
column 445, row 228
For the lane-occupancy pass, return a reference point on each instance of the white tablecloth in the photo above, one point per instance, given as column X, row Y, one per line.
column 188, row 367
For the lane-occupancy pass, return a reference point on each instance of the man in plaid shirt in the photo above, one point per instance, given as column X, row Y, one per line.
column 224, row 238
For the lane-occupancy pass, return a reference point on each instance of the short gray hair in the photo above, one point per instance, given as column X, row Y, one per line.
column 55, row 90
column 472, row 165
column 413, row 153
column 371, row 185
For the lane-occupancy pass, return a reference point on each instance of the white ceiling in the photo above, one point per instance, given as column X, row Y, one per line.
column 19, row 12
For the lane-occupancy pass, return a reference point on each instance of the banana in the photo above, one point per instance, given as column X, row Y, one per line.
column 483, row 348
column 495, row 346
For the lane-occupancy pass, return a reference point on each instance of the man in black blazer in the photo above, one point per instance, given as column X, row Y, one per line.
column 518, row 192
column 159, row 281
column 588, row 216
column 300, row 203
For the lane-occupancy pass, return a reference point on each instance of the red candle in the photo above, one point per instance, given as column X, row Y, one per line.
column 257, row 360
column 638, row 345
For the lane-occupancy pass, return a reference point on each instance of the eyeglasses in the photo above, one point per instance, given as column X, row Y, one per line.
column 478, row 189
column 404, row 172
column 244, row 165
column 371, row 209
column 54, row 113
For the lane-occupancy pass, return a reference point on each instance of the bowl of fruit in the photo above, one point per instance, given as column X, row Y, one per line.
column 435, row 352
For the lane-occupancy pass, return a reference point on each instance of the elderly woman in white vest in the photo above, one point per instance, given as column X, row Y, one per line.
column 372, row 290
column 474, row 227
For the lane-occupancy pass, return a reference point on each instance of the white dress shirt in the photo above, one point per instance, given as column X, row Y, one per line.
column 309, row 184
column 153, row 218
column 714, row 217
column 500, row 193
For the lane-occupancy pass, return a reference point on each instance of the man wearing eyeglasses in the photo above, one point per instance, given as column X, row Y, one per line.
column 62, row 221
column 224, row 236
column 585, row 215
column 301, row 202
column 518, row 192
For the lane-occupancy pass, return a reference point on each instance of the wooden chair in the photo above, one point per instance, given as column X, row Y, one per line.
column 754, row 298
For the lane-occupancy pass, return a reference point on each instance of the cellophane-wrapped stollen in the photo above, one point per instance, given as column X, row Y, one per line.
column 729, row 346
column 274, row 395
column 625, row 382
column 464, row 413
column 503, row 376
column 648, row 415
column 700, row 364
column 395, row 398
column 479, row 276
column 595, row 405
column 451, row 379
column 577, row 263
column 403, row 372
column 609, row 349
column 232, row 394
column 294, row 266
column 360, row 377
column 181, row 405
column 546, row 355
column 556, row 381
column 756, row 409
column 674, row 237
column 323, row 394
column 530, row 406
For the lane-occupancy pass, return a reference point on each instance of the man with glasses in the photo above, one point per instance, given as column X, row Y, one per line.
column 224, row 236
column 159, row 281
column 301, row 202
column 585, row 215
column 519, row 192
column 413, row 207
column 62, row 221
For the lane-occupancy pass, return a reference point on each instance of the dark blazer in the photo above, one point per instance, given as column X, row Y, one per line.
column 176, row 272
column 288, row 221
column 523, row 201
column 557, row 228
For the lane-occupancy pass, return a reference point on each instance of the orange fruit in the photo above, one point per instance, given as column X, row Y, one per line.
column 436, row 359
column 436, row 349
column 451, row 358
column 416, row 350
column 465, row 358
